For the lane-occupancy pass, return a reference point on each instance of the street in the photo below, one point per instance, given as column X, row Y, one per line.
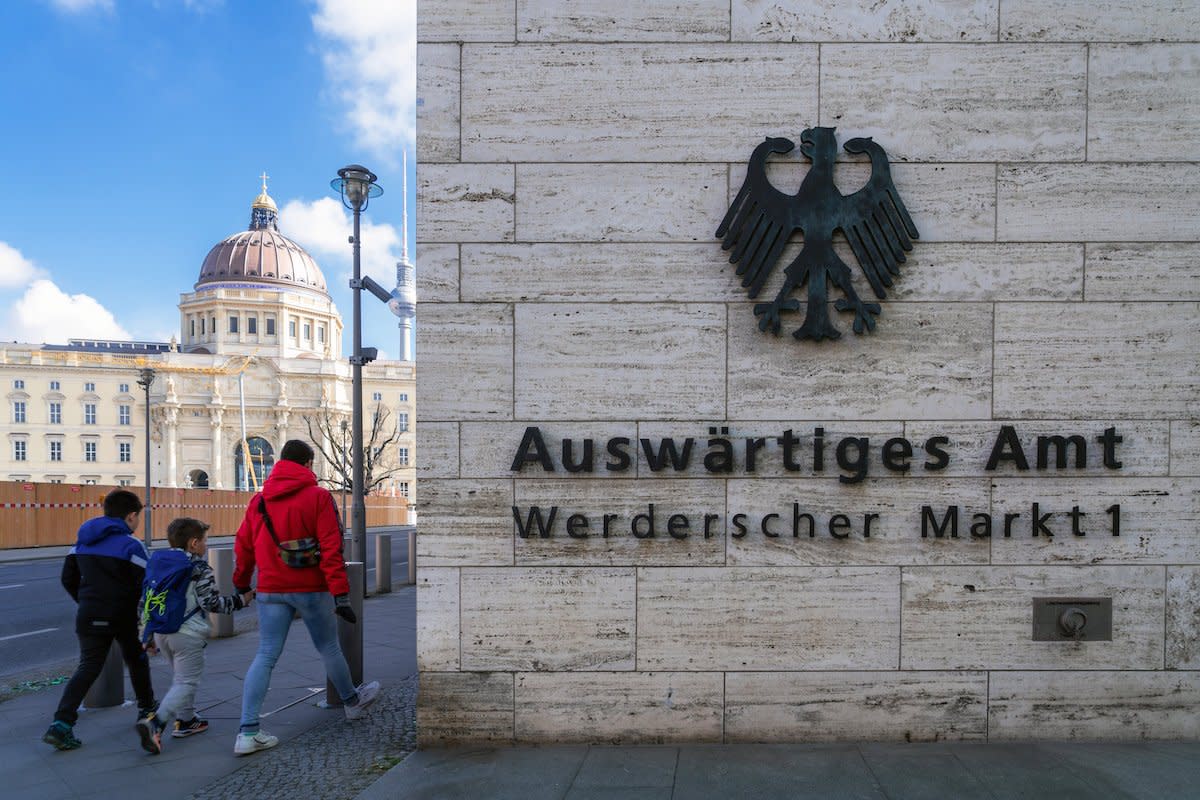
column 37, row 628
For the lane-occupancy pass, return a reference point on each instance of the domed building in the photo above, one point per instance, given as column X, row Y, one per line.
column 258, row 361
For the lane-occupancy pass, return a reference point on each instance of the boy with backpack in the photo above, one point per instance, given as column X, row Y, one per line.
column 179, row 588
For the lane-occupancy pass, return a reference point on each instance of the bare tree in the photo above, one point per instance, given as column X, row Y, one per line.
column 379, row 440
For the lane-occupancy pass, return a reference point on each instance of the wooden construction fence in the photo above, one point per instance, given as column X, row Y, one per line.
column 46, row 514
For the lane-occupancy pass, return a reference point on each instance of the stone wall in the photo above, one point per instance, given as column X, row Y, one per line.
column 575, row 160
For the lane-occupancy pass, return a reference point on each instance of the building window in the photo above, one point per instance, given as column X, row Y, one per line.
column 123, row 415
column 403, row 397
column 404, row 489
column 55, row 451
column 270, row 326
column 124, row 388
column 18, row 411
column 233, row 324
column 89, row 387
column 193, row 328
column 55, row 480
column 89, row 481
column 89, row 413
column 292, row 328
column 124, row 481
column 377, row 396
column 403, row 451
column 321, row 334
column 403, row 420
column 212, row 325
column 89, row 451
column 18, row 450
column 55, row 386
column 201, row 326
column 125, row 451
column 308, row 332
column 56, row 413
column 252, row 325
column 18, row 384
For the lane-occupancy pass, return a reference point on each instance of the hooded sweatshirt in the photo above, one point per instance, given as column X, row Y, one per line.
column 103, row 572
column 299, row 509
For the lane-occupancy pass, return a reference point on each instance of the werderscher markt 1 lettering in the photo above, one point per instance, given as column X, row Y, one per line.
column 720, row 454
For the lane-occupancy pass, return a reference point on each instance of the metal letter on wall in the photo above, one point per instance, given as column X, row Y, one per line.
column 762, row 220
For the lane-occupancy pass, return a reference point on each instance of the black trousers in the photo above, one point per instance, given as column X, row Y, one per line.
column 95, row 640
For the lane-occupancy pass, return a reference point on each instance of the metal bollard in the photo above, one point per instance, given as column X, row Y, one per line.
column 220, row 626
column 109, row 688
column 412, row 557
column 350, row 636
column 383, row 563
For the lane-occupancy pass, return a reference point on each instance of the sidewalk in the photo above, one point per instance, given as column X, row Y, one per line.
column 320, row 754
column 943, row 771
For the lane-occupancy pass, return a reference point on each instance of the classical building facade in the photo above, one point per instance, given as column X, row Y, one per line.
column 258, row 360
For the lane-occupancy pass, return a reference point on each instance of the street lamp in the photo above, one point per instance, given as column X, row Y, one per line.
column 345, row 427
column 144, row 381
column 356, row 185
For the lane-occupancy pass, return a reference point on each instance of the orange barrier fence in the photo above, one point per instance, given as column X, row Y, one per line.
column 45, row 514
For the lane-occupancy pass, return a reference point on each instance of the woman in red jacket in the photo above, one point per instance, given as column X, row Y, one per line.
column 292, row 534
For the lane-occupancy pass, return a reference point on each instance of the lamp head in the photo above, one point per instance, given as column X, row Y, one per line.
column 356, row 184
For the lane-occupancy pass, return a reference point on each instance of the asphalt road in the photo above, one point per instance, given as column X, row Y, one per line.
column 37, row 616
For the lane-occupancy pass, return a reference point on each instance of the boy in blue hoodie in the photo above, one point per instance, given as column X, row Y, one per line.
column 103, row 573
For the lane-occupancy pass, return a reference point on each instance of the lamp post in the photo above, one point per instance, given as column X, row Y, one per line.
column 144, row 380
column 356, row 185
column 345, row 427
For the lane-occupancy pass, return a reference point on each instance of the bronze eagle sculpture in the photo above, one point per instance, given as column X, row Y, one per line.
column 762, row 219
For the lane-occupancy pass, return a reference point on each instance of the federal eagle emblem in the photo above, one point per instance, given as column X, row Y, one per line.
column 762, row 220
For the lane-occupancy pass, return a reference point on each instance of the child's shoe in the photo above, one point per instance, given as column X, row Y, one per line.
column 191, row 727
column 150, row 729
column 248, row 743
column 62, row 736
column 366, row 696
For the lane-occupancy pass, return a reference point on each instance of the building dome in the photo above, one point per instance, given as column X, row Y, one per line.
column 261, row 254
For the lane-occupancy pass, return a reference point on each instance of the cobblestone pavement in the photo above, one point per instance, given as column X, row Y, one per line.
column 335, row 760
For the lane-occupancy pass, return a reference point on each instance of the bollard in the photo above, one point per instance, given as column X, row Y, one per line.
column 350, row 636
column 383, row 563
column 220, row 626
column 109, row 688
column 412, row 557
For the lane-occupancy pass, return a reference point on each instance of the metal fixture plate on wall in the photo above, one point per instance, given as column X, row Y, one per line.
column 1072, row 619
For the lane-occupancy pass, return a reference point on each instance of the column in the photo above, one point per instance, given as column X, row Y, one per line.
column 215, row 480
column 171, row 422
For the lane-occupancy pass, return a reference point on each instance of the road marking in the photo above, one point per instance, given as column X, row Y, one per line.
column 31, row 633
column 12, row 586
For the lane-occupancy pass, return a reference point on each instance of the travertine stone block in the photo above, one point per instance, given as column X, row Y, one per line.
column 630, row 102
column 437, row 279
column 619, row 707
column 466, row 356
column 621, row 202
column 465, row 522
column 1159, row 520
column 1143, row 102
column 1099, row 21
column 989, row 272
column 465, row 202
column 894, row 525
column 1185, row 447
column 1105, row 359
column 580, row 361
column 767, row 618
column 437, row 442
column 965, row 104
column 438, row 80
column 1183, row 624
column 548, row 619
column 864, row 21
column 855, row 706
column 605, row 21
column 465, row 707
column 689, row 508
column 1142, row 451
column 982, row 617
column 1129, row 272
column 490, row 448
column 437, row 619
column 768, row 456
column 1093, row 705
column 599, row 273
column 892, row 373
column 1092, row 202
column 456, row 21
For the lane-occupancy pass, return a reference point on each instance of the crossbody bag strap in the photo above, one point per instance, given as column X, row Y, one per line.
column 262, row 508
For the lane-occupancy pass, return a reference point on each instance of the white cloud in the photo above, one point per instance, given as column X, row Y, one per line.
column 47, row 314
column 16, row 271
column 370, row 61
column 323, row 228
column 80, row 6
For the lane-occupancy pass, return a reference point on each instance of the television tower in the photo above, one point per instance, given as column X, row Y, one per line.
column 404, row 297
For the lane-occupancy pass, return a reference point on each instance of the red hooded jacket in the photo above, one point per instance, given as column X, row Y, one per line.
column 299, row 508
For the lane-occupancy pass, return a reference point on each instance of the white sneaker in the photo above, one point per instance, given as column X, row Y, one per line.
column 248, row 743
column 366, row 695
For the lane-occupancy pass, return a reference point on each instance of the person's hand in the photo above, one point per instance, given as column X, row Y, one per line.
column 247, row 596
column 341, row 607
column 150, row 648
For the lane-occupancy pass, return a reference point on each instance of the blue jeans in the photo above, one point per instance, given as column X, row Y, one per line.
column 275, row 612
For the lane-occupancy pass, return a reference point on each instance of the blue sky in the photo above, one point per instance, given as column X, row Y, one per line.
column 135, row 131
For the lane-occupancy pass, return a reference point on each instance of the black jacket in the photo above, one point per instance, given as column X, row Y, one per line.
column 103, row 573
